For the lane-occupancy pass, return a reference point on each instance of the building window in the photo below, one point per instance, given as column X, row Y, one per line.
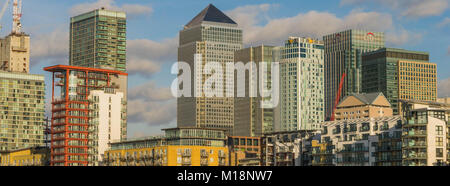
column 439, row 130
column 439, row 153
column 439, row 141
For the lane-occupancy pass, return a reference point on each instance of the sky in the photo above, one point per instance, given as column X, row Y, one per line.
column 153, row 27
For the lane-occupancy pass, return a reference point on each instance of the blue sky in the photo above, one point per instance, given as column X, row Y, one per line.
column 153, row 28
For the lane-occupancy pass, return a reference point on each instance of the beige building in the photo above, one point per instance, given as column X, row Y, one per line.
column 214, row 37
column 15, row 53
column 363, row 106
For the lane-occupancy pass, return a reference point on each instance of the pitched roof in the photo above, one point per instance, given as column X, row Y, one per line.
column 212, row 14
column 368, row 98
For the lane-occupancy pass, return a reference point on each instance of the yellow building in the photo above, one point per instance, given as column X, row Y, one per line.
column 187, row 146
column 33, row 156
column 417, row 81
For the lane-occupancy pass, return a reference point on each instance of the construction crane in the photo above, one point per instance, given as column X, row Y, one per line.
column 3, row 11
column 338, row 96
column 17, row 14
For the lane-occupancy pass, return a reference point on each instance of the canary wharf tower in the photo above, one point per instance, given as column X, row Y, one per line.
column 213, row 36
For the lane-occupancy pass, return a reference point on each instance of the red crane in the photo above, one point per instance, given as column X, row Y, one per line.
column 338, row 96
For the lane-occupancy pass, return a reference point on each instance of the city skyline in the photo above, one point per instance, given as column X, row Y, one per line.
column 150, row 55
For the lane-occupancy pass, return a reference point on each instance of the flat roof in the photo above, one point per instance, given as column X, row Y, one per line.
column 60, row 68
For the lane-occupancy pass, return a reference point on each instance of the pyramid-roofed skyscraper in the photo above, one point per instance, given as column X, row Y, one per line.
column 215, row 36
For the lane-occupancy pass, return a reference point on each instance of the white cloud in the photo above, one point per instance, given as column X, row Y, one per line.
column 400, row 36
column 311, row 24
column 444, row 22
column 409, row 8
column 130, row 9
column 443, row 88
column 151, row 104
column 52, row 47
column 145, row 56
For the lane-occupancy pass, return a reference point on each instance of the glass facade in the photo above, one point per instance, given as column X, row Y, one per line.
column 343, row 54
column 98, row 40
column 382, row 73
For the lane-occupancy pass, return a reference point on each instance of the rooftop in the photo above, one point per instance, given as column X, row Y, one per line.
column 211, row 14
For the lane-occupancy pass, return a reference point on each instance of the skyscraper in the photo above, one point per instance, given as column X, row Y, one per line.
column 251, row 119
column 215, row 37
column 343, row 54
column 301, row 89
column 98, row 40
column 399, row 74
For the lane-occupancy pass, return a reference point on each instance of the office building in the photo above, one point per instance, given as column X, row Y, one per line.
column 363, row 106
column 343, row 56
column 88, row 112
column 244, row 151
column 250, row 118
column 215, row 37
column 399, row 74
column 301, row 84
column 186, row 146
column 98, row 40
column 31, row 156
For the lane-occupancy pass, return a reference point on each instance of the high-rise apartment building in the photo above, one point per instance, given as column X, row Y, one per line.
column 385, row 69
column 88, row 112
column 98, row 40
column 214, row 37
column 22, row 114
column 250, row 117
column 22, row 95
column 301, row 89
column 343, row 54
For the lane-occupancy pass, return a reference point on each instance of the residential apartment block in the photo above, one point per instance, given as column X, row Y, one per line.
column 288, row 148
column 244, row 151
column 301, row 84
column 22, row 113
column 425, row 139
column 360, row 142
column 185, row 146
column 31, row 156
column 98, row 40
column 88, row 112
column 363, row 106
